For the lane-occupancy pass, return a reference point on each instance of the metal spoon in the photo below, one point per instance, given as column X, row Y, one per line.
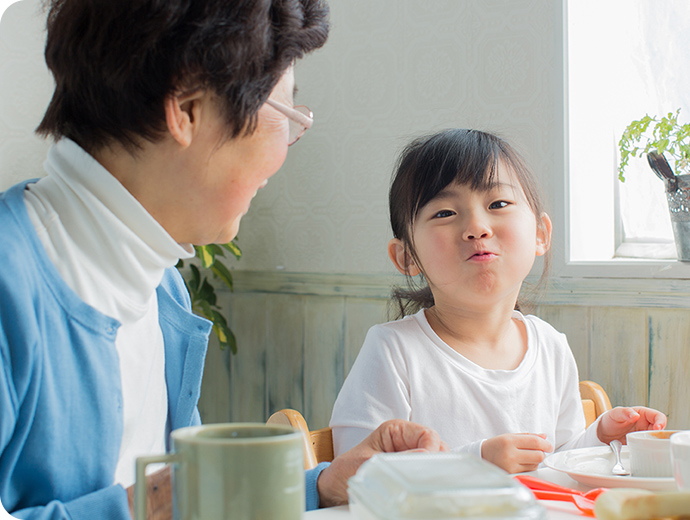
column 618, row 468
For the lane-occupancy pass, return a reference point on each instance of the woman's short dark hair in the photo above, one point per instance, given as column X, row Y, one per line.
column 115, row 61
column 428, row 165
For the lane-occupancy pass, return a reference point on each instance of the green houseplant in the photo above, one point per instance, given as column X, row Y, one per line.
column 664, row 135
column 657, row 138
column 202, row 292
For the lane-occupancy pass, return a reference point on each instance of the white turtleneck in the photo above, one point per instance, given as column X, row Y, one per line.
column 112, row 253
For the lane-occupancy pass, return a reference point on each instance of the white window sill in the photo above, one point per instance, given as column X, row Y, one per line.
column 665, row 251
column 626, row 268
column 620, row 283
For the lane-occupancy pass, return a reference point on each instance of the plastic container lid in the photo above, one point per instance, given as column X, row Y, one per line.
column 426, row 486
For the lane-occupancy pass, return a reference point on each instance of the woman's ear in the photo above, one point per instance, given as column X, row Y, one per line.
column 182, row 115
column 543, row 234
column 401, row 258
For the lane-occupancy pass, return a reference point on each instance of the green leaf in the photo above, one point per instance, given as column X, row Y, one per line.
column 665, row 135
column 203, row 294
column 234, row 249
column 207, row 292
column 219, row 318
column 216, row 249
column 232, row 342
column 220, row 332
column 205, row 309
column 223, row 273
column 206, row 255
column 196, row 278
column 225, row 336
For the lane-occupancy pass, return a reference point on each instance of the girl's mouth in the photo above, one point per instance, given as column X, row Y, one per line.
column 483, row 256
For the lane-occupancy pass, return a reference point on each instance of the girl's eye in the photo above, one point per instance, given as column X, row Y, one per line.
column 444, row 213
column 499, row 204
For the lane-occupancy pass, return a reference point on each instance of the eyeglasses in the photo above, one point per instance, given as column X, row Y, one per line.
column 300, row 118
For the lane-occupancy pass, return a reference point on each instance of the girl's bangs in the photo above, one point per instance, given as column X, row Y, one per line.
column 471, row 161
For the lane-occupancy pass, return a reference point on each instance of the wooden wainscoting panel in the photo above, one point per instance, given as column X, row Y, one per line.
column 324, row 337
column 298, row 335
column 573, row 321
column 214, row 402
column 619, row 354
column 669, row 390
column 248, row 367
column 360, row 315
column 285, row 352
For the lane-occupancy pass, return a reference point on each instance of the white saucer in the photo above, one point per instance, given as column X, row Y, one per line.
column 592, row 467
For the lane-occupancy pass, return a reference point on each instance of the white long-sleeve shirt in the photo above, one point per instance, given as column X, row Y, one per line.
column 406, row 371
column 112, row 253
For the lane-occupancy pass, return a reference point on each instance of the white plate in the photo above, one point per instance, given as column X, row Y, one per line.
column 592, row 467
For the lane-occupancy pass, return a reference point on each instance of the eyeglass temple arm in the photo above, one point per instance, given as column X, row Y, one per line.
column 293, row 114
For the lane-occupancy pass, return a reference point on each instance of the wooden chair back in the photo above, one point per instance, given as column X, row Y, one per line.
column 318, row 444
column 595, row 401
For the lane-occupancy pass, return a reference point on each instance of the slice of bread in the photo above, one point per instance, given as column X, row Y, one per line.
column 639, row 504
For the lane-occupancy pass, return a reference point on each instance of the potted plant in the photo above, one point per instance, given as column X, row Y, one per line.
column 658, row 137
column 202, row 293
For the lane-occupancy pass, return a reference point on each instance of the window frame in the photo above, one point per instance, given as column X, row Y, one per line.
column 668, row 275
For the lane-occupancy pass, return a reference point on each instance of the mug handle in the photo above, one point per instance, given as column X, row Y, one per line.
column 140, row 483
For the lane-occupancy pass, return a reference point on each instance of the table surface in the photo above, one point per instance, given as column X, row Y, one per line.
column 554, row 510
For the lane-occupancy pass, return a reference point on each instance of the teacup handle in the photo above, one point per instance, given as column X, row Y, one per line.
column 140, row 484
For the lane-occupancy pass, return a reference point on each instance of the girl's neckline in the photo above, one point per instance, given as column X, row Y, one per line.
column 495, row 360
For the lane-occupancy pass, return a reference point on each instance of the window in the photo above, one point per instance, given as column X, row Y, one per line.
column 626, row 58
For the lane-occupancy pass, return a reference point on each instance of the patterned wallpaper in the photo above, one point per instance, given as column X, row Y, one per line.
column 25, row 90
column 391, row 70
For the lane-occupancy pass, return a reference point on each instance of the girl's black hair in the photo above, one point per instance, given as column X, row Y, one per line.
column 115, row 61
column 428, row 165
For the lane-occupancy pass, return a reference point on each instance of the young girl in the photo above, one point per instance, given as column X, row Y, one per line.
column 467, row 218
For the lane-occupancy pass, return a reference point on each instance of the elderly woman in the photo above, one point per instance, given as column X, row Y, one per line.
column 167, row 116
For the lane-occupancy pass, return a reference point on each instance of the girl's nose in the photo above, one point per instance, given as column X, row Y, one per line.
column 477, row 229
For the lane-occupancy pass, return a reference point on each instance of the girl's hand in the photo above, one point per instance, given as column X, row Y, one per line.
column 516, row 452
column 616, row 423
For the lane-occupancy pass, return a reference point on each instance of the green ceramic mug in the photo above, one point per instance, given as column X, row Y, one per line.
column 243, row 471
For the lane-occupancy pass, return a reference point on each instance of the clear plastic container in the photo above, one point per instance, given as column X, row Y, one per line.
column 438, row 486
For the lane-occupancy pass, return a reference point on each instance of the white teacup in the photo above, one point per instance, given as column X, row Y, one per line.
column 650, row 453
column 680, row 457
